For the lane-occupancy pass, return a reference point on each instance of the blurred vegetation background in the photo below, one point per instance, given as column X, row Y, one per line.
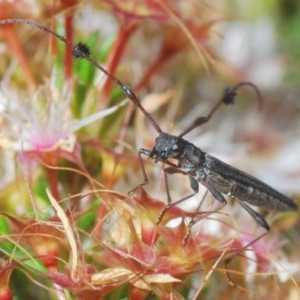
column 69, row 150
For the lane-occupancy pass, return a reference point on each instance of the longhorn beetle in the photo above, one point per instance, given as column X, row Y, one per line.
column 218, row 177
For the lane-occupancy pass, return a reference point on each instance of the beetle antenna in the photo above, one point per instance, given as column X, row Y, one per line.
column 82, row 51
column 228, row 98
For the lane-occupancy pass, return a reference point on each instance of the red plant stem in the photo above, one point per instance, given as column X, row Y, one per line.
column 53, row 181
column 14, row 45
column 114, row 59
column 120, row 146
column 101, row 214
column 152, row 69
column 68, row 52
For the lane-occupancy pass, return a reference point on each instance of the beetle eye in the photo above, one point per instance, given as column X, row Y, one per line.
column 163, row 155
column 175, row 147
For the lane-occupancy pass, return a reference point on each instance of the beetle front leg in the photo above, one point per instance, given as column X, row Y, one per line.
column 142, row 167
column 174, row 170
column 193, row 183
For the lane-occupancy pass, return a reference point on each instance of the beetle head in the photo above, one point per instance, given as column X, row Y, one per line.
column 166, row 146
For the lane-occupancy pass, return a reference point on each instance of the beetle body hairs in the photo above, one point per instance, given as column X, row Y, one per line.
column 80, row 49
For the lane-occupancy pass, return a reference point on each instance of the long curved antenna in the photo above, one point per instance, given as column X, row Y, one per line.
column 228, row 98
column 82, row 51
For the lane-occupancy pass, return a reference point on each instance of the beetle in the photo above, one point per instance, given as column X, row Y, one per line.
column 218, row 177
